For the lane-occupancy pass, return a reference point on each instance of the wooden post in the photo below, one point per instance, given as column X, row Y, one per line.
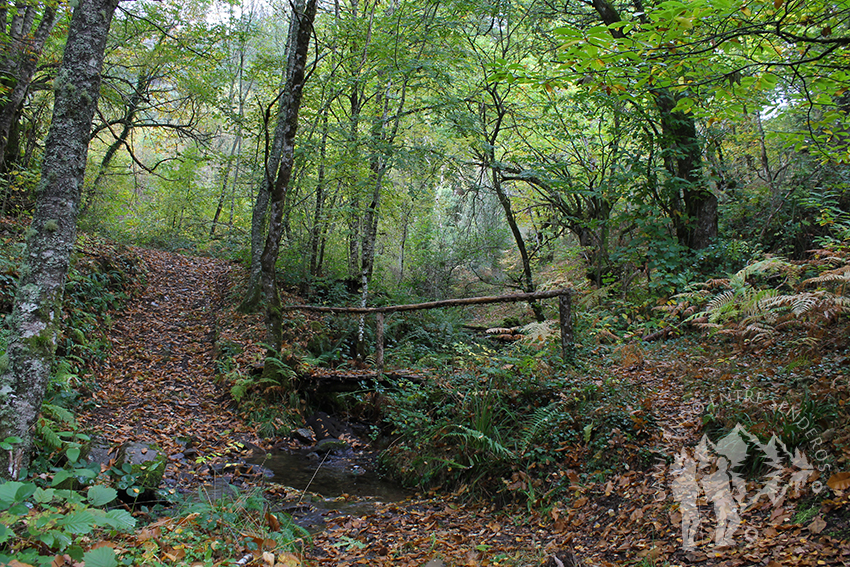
column 566, row 314
column 379, row 339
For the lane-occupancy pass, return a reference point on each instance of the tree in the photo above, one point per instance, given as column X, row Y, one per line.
column 24, row 28
column 301, row 30
column 50, row 239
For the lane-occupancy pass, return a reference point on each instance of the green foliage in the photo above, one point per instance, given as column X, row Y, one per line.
column 37, row 523
column 212, row 529
column 499, row 415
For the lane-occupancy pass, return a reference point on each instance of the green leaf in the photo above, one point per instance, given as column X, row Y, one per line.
column 73, row 454
column 100, row 557
column 99, row 495
column 43, row 496
column 588, row 432
column 13, row 491
column 5, row 533
column 81, row 522
column 120, row 520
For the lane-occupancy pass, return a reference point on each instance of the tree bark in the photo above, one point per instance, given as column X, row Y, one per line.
column 260, row 212
column 683, row 161
column 300, row 31
column 18, row 60
column 50, row 239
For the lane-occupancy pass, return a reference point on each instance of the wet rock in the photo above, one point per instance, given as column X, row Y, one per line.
column 304, row 434
column 146, row 462
column 325, row 426
column 330, row 446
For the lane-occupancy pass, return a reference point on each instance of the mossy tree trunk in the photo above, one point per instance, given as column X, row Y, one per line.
column 50, row 239
column 300, row 33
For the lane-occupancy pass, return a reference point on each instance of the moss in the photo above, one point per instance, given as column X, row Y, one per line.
column 52, row 225
column 4, row 363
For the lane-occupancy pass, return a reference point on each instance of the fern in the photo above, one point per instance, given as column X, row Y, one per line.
column 539, row 332
column 54, row 412
column 542, row 418
column 481, row 441
column 741, row 309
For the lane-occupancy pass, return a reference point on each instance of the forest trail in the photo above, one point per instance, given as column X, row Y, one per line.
column 157, row 383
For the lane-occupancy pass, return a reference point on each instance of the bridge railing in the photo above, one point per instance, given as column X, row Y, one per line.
column 564, row 296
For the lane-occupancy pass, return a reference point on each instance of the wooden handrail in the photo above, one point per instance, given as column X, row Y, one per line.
column 434, row 304
column 564, row 312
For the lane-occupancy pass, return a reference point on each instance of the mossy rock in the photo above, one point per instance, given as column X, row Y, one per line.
column 147, row 463
column 330, row 445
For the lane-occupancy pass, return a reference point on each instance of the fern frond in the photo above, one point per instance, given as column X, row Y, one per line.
column 539, row 332
column 482, row 441
column 58, row 413
column 773, row 264
column 45, row 430
column 544, row 417
column 841, row 276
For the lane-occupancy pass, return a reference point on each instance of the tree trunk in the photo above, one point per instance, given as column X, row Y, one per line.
column 693, row 206
column 300, row 31
column 683, row 162
column 489, row 157
column 50, row 239
column 260, row 212
column 316, row 230
column 18, row 59
column 527, row 280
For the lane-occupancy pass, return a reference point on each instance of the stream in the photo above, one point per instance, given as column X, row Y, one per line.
column 334, row 484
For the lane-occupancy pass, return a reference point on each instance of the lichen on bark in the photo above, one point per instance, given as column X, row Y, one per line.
column 51, row 236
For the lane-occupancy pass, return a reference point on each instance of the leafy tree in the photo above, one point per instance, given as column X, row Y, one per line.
column 301, row 29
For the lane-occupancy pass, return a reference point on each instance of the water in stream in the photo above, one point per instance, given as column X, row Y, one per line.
column 326, row 479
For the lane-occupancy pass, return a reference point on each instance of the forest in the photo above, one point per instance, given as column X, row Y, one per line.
column 507, row 282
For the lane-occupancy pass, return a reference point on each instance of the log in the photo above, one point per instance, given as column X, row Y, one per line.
column 434, row 304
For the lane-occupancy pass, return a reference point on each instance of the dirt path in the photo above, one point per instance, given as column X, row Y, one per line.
column 157, row 383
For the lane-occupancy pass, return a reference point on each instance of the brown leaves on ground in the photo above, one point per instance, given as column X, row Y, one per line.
column 157, row 383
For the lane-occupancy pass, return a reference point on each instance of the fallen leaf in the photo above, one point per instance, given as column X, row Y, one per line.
column 839, row 481
column 817, row 525
column 287, row 560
